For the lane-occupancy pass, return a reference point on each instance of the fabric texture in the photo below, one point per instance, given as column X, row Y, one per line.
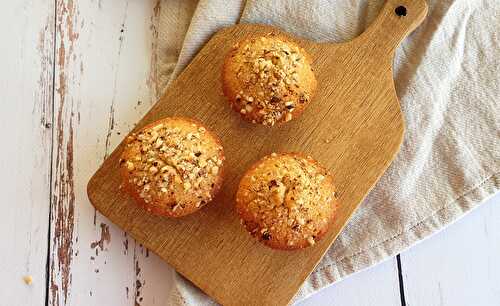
column 447, row 76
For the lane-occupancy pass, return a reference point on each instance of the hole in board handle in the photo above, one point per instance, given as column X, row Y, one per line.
column 401, row 11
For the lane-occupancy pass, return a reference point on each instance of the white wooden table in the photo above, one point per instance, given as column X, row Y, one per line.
column 74, row 76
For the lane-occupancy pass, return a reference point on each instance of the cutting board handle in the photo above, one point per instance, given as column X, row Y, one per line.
column 397, row 20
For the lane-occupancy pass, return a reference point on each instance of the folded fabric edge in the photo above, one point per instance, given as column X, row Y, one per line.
column 426, row 228
column 207, row 19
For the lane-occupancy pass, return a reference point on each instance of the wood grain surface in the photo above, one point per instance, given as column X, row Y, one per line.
column 354, row 127
column 25, row 101
column 101, row 48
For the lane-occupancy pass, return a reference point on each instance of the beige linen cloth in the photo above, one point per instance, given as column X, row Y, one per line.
column 447, row 76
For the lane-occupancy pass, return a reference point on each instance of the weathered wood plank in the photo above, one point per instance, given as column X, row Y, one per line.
column 375, row 286
column 26, row 62
column 105, row 80
column 459, row 266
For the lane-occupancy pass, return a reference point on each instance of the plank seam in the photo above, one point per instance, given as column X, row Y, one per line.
column 401, row 281
column 52, row 98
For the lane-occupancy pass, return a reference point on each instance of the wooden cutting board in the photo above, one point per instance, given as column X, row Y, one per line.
column 353, row 126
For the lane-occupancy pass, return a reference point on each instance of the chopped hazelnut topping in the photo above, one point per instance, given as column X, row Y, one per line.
column 215, row 170
column 270, row 70
column 288, row 197
column 130, row 166
column 158, row 143
column 248, row 108
column 301, row 221
column 167, row 164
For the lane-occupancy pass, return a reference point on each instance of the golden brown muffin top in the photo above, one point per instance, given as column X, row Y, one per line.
column 173, row 164
column 286, row 200
column 268, row 79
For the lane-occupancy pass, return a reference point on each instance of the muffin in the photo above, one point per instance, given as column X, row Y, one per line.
column 268, row 79
column 287, row 201
column 172, row 167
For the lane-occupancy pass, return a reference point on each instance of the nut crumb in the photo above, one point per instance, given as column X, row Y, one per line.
column 130, row 166
column 28, row 280
column 215, row 170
